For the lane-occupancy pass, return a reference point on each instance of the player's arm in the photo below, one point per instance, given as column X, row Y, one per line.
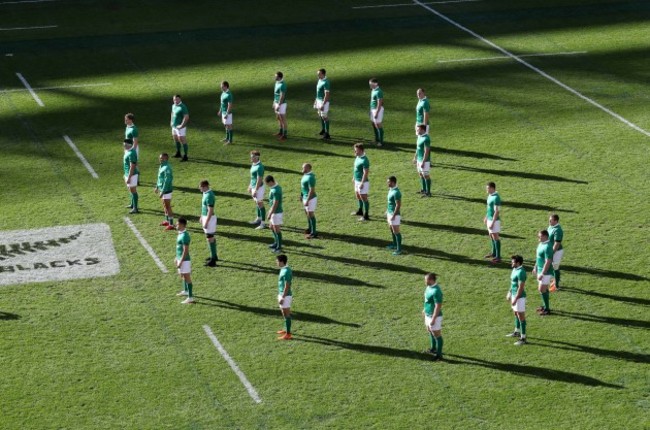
column 131, row 170
column 556, row 245
column 425, row 117
column 496, row 215
column 186, row 251
column 210, row 214
column 326, row 98
column 364, row 178
column 398, row 205
column 436, row 312
column 135, row 141
column 281, row 98
column 427, row 151
column 520, row 291
column 547, row 265
column 310, row 194
column 380, row 104
column 229, row 109
column 273, row 208
column 186, row 119
column 258, row 184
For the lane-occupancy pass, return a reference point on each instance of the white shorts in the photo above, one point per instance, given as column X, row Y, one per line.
column 396, row 221
column 133, row 182
column 276, row 219
column 227, row 119
column 436, row 326
column 311, row 206
column 424, row 170
column 326, row 107
column 520, row 305
column 496, row 227
column 557, row 258
column 167, row 196
column 417, row 126
column 281, row 109
column 287, row 301
column 186, row 267
column 180, row 132
column 546, row 280
column 362, row 188
column 380, row 115
column 212, row 225
column 259, row 195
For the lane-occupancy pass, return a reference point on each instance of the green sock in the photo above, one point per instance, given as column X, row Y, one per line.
column 423, row 184
column 279, row 239
column 309, row 224
column 284, row 133
column 287, row 323
column 497, row 244
column 313, row 226
column 178, row 146
column 427, row 181
column 366, row 207
column 280, row 130
column 275, row 237
column 394, row 239
column 327, row 126
column 557, row 278
column 213, row 249
column 439, row 346
column 376, row 134
column 545, row 297
column 360, row 203
column 189, row 290
column 381, row 134
column 432, row 341
column 171, row 220
column 494, row 247
column 230, row 133
column 135, row 200
column 185, row 149
column 523, row 328
column 322, row 125
column 398, row 241
column 184, row 285
column 517, row 324
column 263, row 213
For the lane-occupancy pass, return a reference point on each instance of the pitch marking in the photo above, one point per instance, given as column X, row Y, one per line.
column 31, row 91
column 146, row 245
column 502, row 57
column 411, row 4
column 81, row 157
column 25, row 1
column 60, row 87
column 38, row 27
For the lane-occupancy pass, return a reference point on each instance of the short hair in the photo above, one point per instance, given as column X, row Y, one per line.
column 492, row 185
column 177, row 95
column 204, row 183
column 431, row 276
column 225, row 84
column 555, row 217
column 282, row 258
column 128, row 141
column 517, row 259
column 359, row 145
column 269, row 179
column 543, row 232
column 392, row 179
column 322, row 71
column 255, row 152
column 164, row 155
column 129, row 116
column 422, row 126
column 182, row 220
column 307, row 165
column 375, row 81
column 421, row 89
column 279, row 75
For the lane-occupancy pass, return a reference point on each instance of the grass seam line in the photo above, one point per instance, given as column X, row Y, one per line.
column 375, row 6
column 249, row 387
column 503, row 57
column 25, row 1
column 81, row 156
column 36, row 27
column 533, row 68
column 60, row 87
column 31, row 91
column 146, row 245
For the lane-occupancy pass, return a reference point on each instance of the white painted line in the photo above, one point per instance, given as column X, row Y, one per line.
column 533, row 68
column 412, row 4
column 81, row 157
column 25, row 1
column 38, row 27
column 503, row 57
column 146, row 245
column 61, row 87
column 233, row 365
column 31, row 91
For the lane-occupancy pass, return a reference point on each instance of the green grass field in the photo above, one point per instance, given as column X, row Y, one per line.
column 121, row 352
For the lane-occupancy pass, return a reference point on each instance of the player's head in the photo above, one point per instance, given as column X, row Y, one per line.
column 177, row 99
column 181, row 223
column 269, row 180
column 129, row 118
column 358, row 148
column 391, row 181
column 163, row 157
column 255, row 156
column 420, row 93
column 373, row 82
column 430, row 278
column 281, row 260
column 554, row 219
column 422, row 129
column 306, row 168
column 279, row 76
column 225, row 85
column 542, row 235
column 491, row 187
column 128, row 143
column 204, row 185
column 321, row 73
column 516, row 261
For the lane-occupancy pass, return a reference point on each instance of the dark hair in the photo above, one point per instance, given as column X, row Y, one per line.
column 269, row 179
column 282, row 258
column 392, row 179
column 255, row 152
column 182, row 220
column 322, row 71
column 177, row 95
column 279, row 75
column 374, row 80
column 431, row 275
column 164, row 155
column 543, row 232
column 130, row 116
column 359, row 145
column 518, row 259
column 555, row 217
column 492, row 185
column 307, row 165
column 204, row 183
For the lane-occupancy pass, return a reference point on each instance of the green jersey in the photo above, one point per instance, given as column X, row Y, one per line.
column 286, row 275
column 183, row 239
column 555, row 234
column 207, row 202
column 544, row 252
column 178, row 113
column 322, row 86
column 280, row 88
column 165, row 178
column 376, row 95
column 130, row 157
column 423, row 143
column 257, row 171
column 308, row 181
column 275, row 195
column 394, row 196
column 226, row 98
column 517, row 276
column 432, row 297
column 422, row 108
column 131, row 132
column 361, row 163
column 493, row 201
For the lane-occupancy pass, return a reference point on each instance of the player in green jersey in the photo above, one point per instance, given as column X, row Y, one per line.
column 322, row 102
column 492, row 220
column 131, row 172
column 517, row 298
column 225, row 111
column 556, row 235
column 164, row 188
column 256, row 189
column 377, row 110
column 182, row 261
column 433, row 315
column 422, row 160
column 543, row 269
column 393, row 216
column 179, row 118
column 209, row 221
column 131, row 132
column 422, row 110
column 285, row 295
column 275, row 213
column 361, row 182
column 280, row 104
column 309, row 199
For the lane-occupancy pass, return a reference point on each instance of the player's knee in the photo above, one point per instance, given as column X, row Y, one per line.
column 210, row 237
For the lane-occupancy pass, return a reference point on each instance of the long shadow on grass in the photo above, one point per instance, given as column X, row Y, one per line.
column 275, row 312
column 633, row 300
column 369, row 349
column 623, row 355
column 507, row 203
column 472, row 154
column 456, row 229
column 246, row 167
column 6, row 316
column 604, row 273
column 218, row 193
column 604, row 320
column 510, row 173
column 533, row 371
column 365, row 263
column 321, row 277
column 266, row 239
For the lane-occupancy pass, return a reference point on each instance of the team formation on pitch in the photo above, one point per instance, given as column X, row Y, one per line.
column 549, row 252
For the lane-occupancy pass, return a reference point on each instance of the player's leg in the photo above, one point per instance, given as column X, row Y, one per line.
column 183, row 139
column 177, row 142
column 188, row 280
column 398, row 236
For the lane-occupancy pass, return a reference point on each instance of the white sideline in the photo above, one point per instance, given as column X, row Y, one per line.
column 31, row 91
column 60, row 87
column 533, row 68
column 249, row 387
column 36, row 27
column 25, row 1
column 411, row 4
column 502, row 57
column 145, row 245
column 81, row 157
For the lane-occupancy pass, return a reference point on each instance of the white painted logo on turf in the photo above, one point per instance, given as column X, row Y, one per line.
column 57, row 254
